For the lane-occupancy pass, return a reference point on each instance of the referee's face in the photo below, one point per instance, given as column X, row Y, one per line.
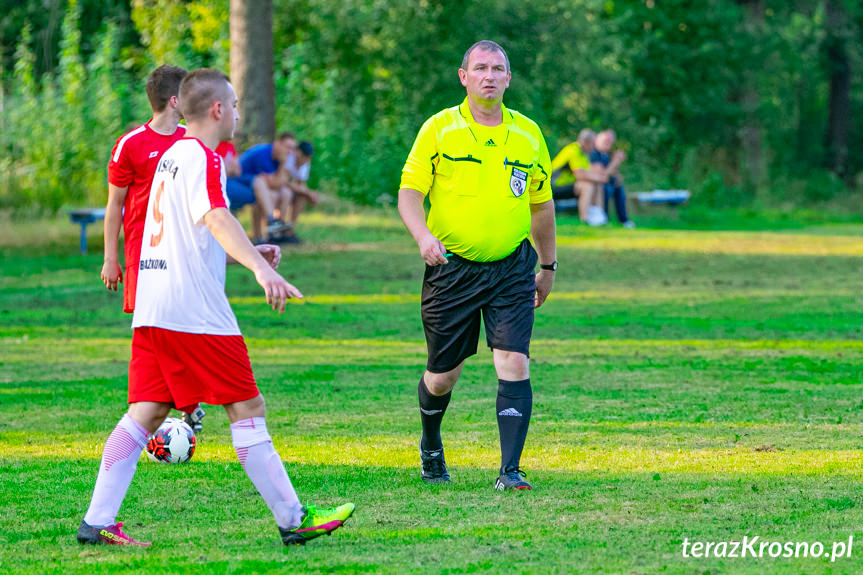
column 486, row 77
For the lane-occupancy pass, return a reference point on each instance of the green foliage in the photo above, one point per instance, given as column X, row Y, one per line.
column 44, row 18
column 163, row 25
column 59, row 126
column 58, row 129
column 685, row 86
column 188, row 34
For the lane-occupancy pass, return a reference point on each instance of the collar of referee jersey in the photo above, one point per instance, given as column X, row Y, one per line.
column 464, row 110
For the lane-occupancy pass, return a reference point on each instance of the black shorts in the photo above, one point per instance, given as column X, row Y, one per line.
column 456, row 294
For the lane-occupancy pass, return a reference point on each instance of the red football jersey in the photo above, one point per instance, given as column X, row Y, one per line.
column 133, row 164
column 226, row 148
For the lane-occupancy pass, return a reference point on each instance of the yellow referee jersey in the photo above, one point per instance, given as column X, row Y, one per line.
column 572, row 158
column 480, row 180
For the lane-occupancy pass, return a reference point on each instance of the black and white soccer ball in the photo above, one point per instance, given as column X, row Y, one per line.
column 173, row 442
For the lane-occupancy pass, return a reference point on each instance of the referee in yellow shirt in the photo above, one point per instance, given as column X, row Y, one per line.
column 485, row 170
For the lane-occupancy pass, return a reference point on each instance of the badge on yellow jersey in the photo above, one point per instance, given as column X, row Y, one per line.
column 518, row 182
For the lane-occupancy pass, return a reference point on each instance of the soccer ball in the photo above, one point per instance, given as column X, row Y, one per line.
column 173, row 442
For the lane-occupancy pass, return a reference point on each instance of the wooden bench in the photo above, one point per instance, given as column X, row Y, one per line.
column 84, row 217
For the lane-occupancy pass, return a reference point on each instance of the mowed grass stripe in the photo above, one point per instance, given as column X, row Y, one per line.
column 734, row 243
column 676, row 294
column 395, row 452
column 374, row 350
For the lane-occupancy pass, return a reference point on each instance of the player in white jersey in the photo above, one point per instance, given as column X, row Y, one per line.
column 186, row 344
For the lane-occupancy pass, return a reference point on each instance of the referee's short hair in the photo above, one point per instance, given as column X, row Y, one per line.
column 487, row 46
column 199, row 90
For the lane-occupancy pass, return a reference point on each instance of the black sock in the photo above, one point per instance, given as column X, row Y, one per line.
column 514, row 404
column 432, row 409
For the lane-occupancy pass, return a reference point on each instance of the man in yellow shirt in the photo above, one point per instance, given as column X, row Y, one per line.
column 485, row 170
column 573, row 177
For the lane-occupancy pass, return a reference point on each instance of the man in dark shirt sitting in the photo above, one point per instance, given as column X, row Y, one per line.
column 602, row 160
column 261, row 184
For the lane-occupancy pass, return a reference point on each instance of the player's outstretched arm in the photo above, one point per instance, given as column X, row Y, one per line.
column 111, row 270
column 543, row 232
column 231, row 236
column 270, row 252
column 413, row 215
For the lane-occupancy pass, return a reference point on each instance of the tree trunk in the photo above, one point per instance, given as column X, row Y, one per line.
column 750, row 102
column 252, row 70
column 839, row 111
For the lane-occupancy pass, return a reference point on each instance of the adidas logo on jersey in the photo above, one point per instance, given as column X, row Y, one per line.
column 491, row 143
column 511, row 412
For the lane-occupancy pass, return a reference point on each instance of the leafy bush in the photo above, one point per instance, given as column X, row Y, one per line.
column 358, row 77
column 57, row 132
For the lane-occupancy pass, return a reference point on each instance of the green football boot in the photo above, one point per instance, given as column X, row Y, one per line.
column 317, row 522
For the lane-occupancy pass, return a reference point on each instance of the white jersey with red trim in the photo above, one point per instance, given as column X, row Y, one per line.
column 181, row 278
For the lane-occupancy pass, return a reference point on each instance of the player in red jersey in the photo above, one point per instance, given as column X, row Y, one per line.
column 130, row 175
column 228, row 153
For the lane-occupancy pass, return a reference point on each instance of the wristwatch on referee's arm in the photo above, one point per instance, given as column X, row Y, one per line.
column 552, row 267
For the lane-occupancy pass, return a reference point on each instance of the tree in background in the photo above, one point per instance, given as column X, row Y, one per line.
column 839, row 34
column 751, row 143
column 252, row 69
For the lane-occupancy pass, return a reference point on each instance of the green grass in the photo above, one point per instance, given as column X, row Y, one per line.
column 688, row 384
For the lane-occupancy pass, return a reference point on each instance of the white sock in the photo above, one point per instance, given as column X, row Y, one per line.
column 265, row 468
column 119, row 461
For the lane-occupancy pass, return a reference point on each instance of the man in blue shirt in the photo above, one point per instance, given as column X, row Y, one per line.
column 261, row 183
column 608, row 164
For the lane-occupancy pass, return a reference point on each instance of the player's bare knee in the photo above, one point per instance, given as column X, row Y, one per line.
column 148, row 414
column 259, row 405
column 441, row 383
column 254, row 407
column 259, row 184
column 511, row 365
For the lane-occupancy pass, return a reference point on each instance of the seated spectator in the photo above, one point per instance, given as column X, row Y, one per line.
column 297, row 170
column 259, row 181
column 572, row 176
column 602, row 160
column 228, row 153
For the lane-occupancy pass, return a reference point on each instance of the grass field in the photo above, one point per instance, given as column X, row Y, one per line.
column 698, row 385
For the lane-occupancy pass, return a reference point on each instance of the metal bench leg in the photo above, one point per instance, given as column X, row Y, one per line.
column 84, row 237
